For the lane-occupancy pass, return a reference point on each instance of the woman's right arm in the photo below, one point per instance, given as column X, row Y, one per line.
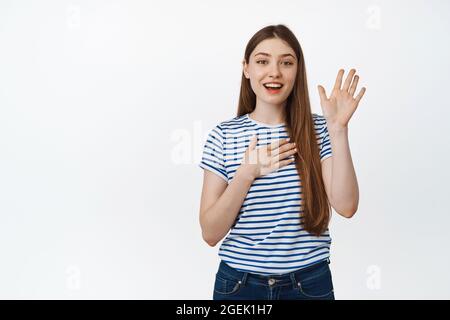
column 221, row 202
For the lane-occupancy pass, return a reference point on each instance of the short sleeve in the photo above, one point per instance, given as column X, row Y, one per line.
column 213, row 153
column 324, row 138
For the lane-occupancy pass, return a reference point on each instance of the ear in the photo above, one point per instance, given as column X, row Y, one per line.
column 245, row 69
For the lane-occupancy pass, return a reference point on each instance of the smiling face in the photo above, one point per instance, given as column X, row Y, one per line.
column 272, row 61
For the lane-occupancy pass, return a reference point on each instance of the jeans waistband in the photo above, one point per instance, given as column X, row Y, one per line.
column 283, row 279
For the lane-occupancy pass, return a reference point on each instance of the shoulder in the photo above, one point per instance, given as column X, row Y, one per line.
column 320, row 123
column 318, row 119
column 230, row 124
column 221, row 129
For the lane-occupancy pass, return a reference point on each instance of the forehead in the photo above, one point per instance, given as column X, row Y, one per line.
column 275, row 47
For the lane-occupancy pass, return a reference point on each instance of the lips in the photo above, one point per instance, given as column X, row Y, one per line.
column 273, row 90
column 279, row 85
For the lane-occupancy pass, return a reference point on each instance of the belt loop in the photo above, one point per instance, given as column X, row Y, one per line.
column 244, row 278
column 328, row 260
column 294, row 280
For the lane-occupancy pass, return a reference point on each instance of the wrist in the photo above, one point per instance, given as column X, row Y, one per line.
column 246, row 172
column 336, row 131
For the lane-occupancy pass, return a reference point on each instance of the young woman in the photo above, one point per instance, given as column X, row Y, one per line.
column 273, row 173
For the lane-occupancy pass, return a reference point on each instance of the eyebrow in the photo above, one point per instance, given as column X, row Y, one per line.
column 281, row 55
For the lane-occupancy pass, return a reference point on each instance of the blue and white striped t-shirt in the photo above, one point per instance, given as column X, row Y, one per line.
column 267, row 236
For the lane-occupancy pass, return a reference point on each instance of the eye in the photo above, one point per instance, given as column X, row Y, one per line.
column 284, row 62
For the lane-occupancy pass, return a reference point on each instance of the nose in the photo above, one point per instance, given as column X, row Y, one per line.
column 275, row 71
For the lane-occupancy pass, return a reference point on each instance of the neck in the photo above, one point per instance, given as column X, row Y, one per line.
column 269, row 113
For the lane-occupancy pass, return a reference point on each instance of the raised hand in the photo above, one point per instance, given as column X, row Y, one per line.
column 340, row 106
column 268, row 158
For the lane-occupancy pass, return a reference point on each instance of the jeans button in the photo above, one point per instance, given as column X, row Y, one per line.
column 271, row 281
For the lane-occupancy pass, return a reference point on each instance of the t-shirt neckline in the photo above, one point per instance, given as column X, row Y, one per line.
column 262, row 123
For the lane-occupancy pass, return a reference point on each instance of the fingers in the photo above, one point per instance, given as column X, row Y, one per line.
column 283, row 148
column 253, row 142
column 249, row 157
column 337, row 84
column 360, row 95
column 348, row 80
column 277, row 143
column 286, row 162
column 322, row 93
column 350, row 84
column 281, row 156
column 353, row 86
column 287, row 153
column 283, row 163
column 267, row 162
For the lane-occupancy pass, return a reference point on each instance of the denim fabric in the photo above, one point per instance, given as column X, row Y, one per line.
column 310, row 283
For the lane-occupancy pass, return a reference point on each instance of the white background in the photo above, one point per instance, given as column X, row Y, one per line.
column 104, row 107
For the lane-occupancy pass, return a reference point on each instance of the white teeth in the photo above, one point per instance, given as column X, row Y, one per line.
column 273, row 85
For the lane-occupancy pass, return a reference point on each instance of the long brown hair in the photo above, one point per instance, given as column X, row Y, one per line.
column 300, row 127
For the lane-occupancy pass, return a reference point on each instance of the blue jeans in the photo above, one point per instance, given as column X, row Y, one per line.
column 309, row 283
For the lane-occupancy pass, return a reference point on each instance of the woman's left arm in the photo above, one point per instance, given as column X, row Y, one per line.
column 339, row 174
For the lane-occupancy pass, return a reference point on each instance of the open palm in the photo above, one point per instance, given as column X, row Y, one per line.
column 340, row 106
